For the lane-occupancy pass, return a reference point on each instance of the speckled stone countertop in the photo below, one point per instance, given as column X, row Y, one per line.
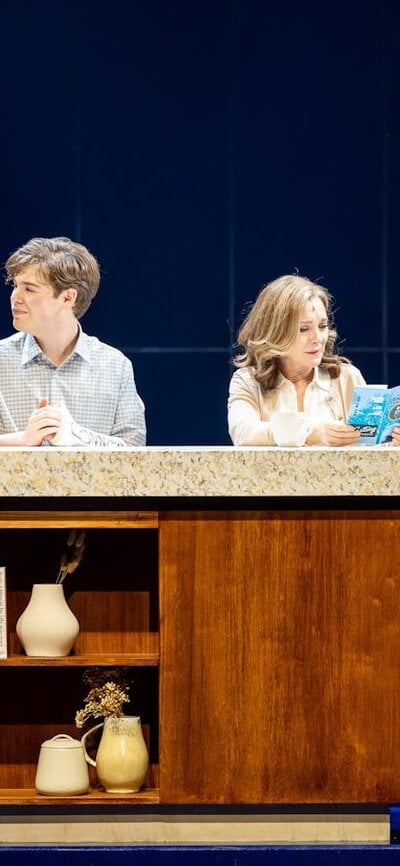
column 200, row 472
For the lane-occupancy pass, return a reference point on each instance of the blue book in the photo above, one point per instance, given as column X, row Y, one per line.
column 374, row 411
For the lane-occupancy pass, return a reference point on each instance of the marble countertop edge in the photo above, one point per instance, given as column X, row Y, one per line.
column 200, row 471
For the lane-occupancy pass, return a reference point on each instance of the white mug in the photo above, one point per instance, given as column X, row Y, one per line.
column 289, row 428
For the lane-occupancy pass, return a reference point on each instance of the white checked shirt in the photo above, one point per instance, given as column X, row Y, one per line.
column 96, row 383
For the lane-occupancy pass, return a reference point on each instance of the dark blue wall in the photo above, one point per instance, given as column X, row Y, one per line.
column 200, row 150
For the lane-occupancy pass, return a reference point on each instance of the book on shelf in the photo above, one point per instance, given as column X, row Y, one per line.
column 375, row 411
column 3, row 613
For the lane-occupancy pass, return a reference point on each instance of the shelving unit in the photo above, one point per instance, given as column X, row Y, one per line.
column 114, row 594
column 263, row 646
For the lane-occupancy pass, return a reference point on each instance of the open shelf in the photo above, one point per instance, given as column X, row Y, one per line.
column 78, row 520
column 114, row 595
column 122, row 659
column 30, row 797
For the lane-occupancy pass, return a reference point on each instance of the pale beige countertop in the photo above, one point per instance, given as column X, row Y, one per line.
column 200, row 472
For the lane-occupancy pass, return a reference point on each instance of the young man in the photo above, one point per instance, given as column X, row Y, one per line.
column 58, row 386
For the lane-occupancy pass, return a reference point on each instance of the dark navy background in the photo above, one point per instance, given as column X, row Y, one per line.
column 200, row 150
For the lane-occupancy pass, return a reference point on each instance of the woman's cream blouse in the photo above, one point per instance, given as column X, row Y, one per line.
column 249, row 410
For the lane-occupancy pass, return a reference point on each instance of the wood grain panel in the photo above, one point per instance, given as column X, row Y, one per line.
column 78, row 519
column 29, row 797
column 128, row 659
column 280, row 638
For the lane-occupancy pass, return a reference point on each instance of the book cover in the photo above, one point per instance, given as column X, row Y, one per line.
column 375, row 411
column 3, row 613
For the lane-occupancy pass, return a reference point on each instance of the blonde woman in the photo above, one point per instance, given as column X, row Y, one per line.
column 288, row 363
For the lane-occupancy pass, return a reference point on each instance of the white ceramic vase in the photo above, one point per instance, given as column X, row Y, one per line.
column 47, row 627
column 122, row 757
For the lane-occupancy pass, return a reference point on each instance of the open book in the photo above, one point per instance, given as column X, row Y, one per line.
column 374, row 411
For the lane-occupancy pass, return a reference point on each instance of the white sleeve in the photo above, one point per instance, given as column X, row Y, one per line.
column 244, row 417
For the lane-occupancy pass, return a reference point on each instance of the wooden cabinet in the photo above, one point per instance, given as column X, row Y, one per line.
column 264, row 648
column 114, row 594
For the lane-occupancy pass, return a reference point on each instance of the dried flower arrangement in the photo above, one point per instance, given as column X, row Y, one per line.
column 73, row 554
column 109, row 691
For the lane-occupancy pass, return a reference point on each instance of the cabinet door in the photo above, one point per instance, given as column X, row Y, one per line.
column 280, row 657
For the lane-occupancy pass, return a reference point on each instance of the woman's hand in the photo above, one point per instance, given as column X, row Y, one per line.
column 334, row 434
column 396, row 436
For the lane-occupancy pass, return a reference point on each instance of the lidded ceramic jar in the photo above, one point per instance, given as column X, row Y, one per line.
column 62, row 769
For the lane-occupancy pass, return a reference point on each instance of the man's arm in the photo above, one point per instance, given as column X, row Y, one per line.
column 129, row 423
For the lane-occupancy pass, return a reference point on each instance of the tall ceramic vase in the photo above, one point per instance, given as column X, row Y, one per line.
column 47, row 627
column 122, row 757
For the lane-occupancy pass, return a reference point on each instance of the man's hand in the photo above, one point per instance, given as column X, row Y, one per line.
column 334, row 434
column 42, row 425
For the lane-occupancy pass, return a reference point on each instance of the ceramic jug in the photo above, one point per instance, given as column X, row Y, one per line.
column 122, row 758
column 62, row 769
column 47, row 627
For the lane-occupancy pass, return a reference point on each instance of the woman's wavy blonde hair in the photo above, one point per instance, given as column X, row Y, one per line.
column 271, row 327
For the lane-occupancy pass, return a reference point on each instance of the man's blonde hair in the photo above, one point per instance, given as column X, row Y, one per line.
column 62, row 263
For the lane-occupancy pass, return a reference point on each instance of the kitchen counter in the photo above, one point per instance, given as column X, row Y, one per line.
column 200, row 472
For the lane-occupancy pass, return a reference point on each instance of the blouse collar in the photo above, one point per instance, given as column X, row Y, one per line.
column 321, row 379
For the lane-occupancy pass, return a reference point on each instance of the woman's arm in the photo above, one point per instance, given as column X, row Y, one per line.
column 244, row 417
